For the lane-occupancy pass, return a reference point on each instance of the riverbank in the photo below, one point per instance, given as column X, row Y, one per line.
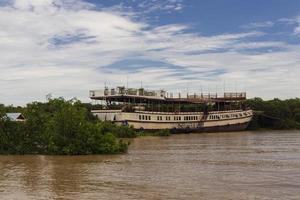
column 61, row 127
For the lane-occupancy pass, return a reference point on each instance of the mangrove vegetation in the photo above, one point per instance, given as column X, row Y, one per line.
column 59, row 127
column 275, row 114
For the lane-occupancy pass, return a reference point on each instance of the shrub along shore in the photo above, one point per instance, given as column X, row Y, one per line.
column 61, row 127
column 275, row 114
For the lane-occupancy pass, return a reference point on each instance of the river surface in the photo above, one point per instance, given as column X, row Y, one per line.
column 239, row 165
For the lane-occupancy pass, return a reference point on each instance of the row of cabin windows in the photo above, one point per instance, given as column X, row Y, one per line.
column 190, row 118
column 214, row 117
column 168, row 118
column 177, row 118
column 144, row 117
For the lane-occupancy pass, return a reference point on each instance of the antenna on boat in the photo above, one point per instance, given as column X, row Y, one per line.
column 235, row 86
column 187, row 89
column 127, row 82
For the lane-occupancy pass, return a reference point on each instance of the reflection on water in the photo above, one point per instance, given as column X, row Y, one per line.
column 241, row 165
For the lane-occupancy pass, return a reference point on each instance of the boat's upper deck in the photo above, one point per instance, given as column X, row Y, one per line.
column 122, row 94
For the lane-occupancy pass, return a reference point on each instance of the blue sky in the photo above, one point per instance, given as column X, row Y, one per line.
column 68, row 47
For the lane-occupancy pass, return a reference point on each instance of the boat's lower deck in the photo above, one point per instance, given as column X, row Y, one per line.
column 189, row 121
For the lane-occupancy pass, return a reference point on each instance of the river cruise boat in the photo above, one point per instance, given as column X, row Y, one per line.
column 157, row 109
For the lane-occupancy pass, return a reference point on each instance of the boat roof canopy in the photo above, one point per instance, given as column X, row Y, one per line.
column 122, row 94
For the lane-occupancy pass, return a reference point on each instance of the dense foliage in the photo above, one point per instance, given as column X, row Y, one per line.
column 59, row 127
column 275, row 114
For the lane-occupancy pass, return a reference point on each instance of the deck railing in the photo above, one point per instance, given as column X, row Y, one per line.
column 162, row 94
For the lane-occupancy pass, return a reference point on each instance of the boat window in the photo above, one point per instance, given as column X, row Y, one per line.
column 179, row 118
column 149, row 117
column 140, row 117
column 143, row 117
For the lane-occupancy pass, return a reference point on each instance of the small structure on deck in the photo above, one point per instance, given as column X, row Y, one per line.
column 15, row 117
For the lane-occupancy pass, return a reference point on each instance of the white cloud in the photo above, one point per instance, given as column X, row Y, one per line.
column 297, row 29
column 63, row 47
column 295, row 21
column 289, row 21
column 254, row 25
column 151, row 6
column 257, row 45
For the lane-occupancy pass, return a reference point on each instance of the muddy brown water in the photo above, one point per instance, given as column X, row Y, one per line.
column 237, row 165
